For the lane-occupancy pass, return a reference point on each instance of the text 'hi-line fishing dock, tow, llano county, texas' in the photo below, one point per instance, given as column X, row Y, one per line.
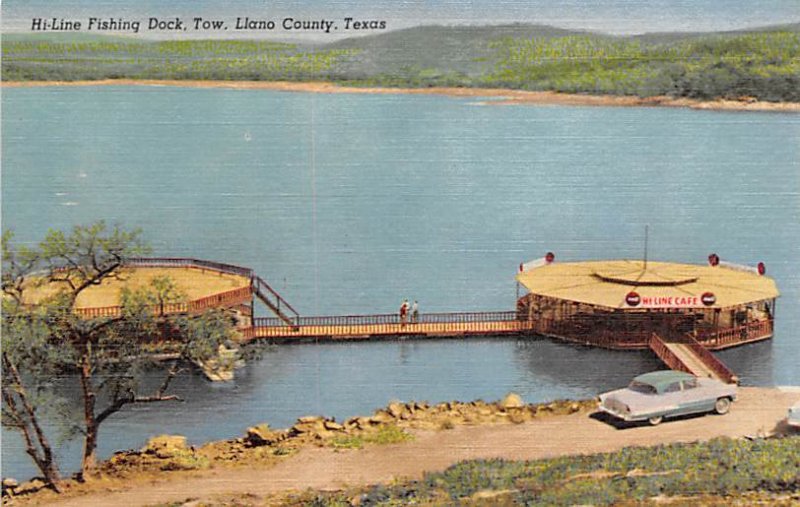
column 679, row 311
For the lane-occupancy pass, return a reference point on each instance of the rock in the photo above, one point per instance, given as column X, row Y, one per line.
column 30, row 486
column 333, row 426
column 9, row 486
column 260, row 435
column 165, row 446
column 381, row 417
column 512, row 400
column 395, row 410
column 311, row 419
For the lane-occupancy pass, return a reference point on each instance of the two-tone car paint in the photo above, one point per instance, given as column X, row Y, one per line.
column 660, row 394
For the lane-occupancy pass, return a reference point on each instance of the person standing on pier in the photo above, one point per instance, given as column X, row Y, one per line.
column 403, row 312
column 415, row 312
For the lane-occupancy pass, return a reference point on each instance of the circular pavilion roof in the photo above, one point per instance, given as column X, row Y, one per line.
column 627, row 284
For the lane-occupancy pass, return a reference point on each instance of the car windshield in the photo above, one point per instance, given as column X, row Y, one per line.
column 641, row 387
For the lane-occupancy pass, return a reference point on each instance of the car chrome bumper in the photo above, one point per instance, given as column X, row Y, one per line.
column 620, row 415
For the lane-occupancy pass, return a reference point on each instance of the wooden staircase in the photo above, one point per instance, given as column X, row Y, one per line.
column 274, row 301
column 686, row 354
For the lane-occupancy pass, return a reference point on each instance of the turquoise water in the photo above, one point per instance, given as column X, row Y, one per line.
column 349, row 203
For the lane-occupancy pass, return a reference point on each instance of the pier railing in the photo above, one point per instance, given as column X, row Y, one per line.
column 185, row 262
column 228, row 298
column 738, row 334
column 391, row 318
column 258, row 286
column 664, row 353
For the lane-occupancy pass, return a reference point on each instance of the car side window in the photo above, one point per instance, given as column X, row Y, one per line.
column 673, row 388
column 689, row 384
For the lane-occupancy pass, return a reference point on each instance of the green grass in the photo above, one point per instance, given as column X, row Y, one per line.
column 721, row 467
column 386, row 434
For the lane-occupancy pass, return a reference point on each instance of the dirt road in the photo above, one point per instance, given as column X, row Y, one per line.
column 758, row 410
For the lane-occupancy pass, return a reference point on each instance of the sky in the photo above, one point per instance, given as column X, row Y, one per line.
column 611, row 16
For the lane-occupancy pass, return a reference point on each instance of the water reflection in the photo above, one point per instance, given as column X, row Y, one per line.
column 753, row 363
column 585, row 369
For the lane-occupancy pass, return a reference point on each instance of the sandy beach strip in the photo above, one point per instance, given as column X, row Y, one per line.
column 502, row 96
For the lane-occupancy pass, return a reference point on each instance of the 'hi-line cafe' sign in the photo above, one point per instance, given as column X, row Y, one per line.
column 633, row 299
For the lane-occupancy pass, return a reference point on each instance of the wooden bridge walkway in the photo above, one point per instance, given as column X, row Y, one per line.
column 351, row 327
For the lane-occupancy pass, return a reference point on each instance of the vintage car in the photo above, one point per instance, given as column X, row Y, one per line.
column 659, row 394
column 793, row 419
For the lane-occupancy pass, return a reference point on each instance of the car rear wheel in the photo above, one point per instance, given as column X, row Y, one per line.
column 722, row 406
column 654, row 421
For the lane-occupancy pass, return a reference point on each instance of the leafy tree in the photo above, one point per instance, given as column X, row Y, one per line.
column 45, row 339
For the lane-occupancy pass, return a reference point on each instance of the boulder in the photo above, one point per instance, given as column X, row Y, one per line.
column 381, row 417
column 333, row 426
column 9, row 486
column 311, row 419
column 260, row 435
column 512, row 400
column 395, row 410
column 165, row 446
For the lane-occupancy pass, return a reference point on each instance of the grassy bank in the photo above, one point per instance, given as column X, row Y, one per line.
column 755, row 65
column 719, row 470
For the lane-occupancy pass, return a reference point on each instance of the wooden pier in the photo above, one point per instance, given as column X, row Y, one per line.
column 350, row 327
column 236, row 289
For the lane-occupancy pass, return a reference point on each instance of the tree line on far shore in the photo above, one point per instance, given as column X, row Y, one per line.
column 751, row 65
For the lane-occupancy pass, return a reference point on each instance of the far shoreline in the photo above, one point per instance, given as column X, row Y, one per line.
column 504, row 96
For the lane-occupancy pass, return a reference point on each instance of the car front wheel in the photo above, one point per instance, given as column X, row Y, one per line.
column 654, row 421
column 722, row 406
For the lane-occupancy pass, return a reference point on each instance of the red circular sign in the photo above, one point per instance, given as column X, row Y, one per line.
column 633, row 299
column 713, row 259
column 708, row 298
column 761, row 268
column 550, row 257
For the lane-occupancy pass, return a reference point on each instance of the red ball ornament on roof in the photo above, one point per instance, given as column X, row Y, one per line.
column 549, row 257
column 713, row 259
column 762, row 269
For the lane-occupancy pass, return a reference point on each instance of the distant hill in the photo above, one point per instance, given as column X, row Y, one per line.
column 759, row 63
column 462, row 49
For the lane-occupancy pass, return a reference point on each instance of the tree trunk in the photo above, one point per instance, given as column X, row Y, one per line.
column 23, row 414
column 89, row 460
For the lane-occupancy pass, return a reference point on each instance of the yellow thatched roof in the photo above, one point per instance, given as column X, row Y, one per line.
column 661, row 285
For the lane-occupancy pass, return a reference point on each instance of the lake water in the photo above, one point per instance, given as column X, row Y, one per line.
column 349, row 203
